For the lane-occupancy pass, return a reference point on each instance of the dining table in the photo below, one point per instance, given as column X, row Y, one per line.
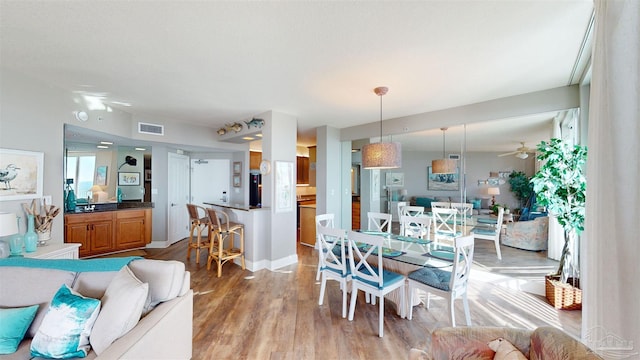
column 403, row 254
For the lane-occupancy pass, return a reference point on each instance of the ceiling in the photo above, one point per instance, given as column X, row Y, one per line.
column 212, row 63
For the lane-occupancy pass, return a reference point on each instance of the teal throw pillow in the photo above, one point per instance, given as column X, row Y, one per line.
column 424, row 202
column 14, row 324
column 477, row 203
column 65, row 329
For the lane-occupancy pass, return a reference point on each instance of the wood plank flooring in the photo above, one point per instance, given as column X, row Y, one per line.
column 275, row 314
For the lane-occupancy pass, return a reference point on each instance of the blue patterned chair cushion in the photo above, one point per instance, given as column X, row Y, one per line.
column 436, row 278
column 483, row 231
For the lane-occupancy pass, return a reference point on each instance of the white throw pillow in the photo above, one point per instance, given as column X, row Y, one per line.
column 122, row 305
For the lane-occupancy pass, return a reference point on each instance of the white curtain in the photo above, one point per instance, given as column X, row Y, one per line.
column 611, row 242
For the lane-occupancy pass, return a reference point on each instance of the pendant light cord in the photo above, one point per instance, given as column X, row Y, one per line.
column 380, row 118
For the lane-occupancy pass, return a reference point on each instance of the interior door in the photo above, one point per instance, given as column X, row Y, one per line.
column 209, row 180
column 178, row 196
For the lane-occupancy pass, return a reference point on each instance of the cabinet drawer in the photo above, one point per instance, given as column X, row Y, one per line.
column 88, row 217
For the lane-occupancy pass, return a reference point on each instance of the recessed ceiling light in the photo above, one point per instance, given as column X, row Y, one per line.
column 259, row 135
column 106, row 143
column 141, row 149
column 247, row 138
column 102, row 147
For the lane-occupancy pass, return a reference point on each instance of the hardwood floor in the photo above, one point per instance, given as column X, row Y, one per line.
column 275, row 314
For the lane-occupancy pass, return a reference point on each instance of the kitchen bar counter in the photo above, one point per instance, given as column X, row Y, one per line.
column 110, row 206
column 235, row 206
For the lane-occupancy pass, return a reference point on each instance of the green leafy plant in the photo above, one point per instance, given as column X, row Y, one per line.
column 521, row 186
column 561, row 186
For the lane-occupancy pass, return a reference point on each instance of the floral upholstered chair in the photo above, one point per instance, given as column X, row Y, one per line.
column 528, row 235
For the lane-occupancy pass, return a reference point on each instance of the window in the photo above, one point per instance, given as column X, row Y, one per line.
column 81, row 168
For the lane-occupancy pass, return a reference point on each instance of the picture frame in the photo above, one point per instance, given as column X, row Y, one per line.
column 237, row 180
column 128, row 179
column 394, row 179
column 237, row 167
column 285, row 186
column 147, row 175
column 101, row 175
column 443, row 182
column 21, row 174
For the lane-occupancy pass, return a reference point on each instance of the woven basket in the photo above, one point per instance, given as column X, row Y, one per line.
column 561, row 295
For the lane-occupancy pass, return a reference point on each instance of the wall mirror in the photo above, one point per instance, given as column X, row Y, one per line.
column 105, row 167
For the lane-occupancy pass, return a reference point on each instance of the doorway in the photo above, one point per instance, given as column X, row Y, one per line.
column 210, row 181
column 177, row 196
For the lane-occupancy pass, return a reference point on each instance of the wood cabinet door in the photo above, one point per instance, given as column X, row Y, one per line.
column 130, row 233
column 255, row 158
column 79, row 233
column 101, row 236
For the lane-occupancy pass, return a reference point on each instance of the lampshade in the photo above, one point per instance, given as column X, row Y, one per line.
column 95, row 188
column 522, row 155
column 443, row 166
column 382, row 155
column 493, row 191
column 8, row 224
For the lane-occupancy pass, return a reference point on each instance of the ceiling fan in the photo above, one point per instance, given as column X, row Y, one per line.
column 522, row 152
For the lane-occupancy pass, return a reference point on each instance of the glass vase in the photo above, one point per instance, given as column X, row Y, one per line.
column 30, row 237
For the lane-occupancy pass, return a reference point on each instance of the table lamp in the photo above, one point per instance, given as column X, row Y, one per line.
column 493, row 191
column 9, row 226
column 95, row 192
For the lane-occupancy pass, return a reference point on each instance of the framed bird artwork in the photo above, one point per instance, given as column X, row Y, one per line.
column 21, row 174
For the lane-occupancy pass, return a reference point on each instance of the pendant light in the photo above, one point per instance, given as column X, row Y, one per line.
column 382, row 155
column 444, row 165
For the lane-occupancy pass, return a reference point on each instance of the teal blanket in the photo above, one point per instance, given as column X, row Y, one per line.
column 75, row 265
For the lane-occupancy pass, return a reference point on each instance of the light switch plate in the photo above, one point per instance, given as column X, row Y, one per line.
column 47, row 199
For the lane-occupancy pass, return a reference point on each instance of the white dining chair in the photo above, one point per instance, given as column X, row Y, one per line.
column 379, row 222
column 372, row 279
column 447, row 284
column 415, row 226
column 325, row 220
column 333, row 261
column 413, row 211
column 401, row 205
column 490, row 232
column 445, row 223
column 440, row 204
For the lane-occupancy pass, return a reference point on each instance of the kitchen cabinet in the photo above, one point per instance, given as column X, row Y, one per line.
column 133, row 229
column 312, row 166
column 302, row 175
column 105, row 232
column 94, row 232
column 308, row 224
column 355, row 215
column 255, row 158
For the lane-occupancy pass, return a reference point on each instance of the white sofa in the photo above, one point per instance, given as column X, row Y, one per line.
column 164, row 332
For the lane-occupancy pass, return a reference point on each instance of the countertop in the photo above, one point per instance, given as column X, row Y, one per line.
column 111, row 206
column 236, row 206
column 309, row 206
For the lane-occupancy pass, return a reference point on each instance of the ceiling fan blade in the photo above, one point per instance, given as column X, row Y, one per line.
column 509, row 153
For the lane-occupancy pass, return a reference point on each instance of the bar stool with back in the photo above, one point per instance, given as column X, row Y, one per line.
column 200, row 222
column 221, row 232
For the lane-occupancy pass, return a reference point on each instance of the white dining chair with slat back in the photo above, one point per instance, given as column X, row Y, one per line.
column 371, row 278
column 379, row 222
column 333, row 261
column 325, row 220
column 447, row 284
column 490, row 232
column 445, row 223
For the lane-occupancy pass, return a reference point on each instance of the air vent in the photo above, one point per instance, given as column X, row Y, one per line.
column 152, row 129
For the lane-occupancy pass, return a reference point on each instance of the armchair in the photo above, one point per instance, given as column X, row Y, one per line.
column 528, row 235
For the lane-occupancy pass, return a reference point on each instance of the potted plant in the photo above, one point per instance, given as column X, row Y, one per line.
column 521, row 187
column 560, row 185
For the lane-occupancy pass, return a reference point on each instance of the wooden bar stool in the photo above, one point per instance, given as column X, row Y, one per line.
column 199, row 222
column 222, row 232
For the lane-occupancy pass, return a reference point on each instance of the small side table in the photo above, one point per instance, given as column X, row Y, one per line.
column 55, row 251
